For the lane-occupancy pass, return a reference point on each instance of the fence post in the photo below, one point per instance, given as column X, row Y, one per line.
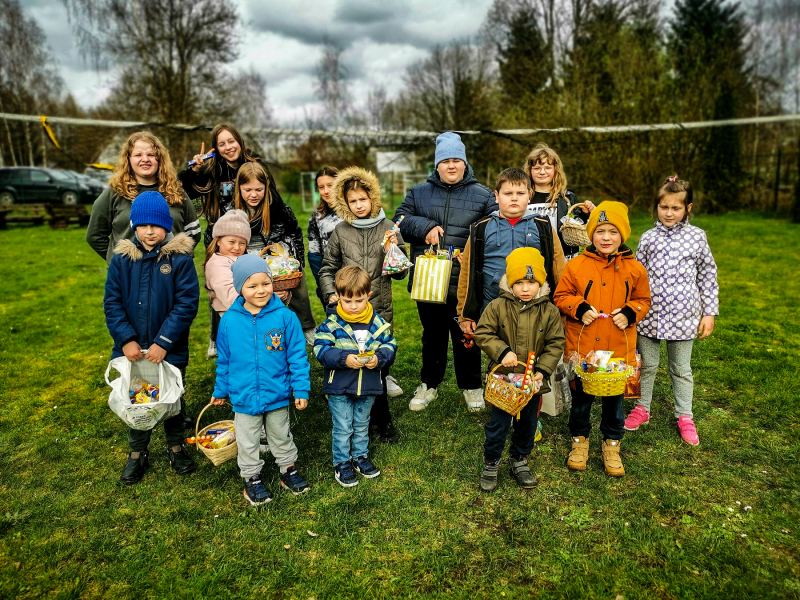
column 777, row 182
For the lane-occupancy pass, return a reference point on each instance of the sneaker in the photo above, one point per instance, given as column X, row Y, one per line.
column 422, row 397
column 345, row 474
column 611, row 460
column 365, row 467
column 294, row 482
column 181, row 461
column 135, row 468
column 538, row 436
column 474, row 399
column 212, row 349
column 638, row 417
column 393, row 390
column 310, row 333
column 688, row 430
column 489, row 476
column 579, row 454
column 521, row 472
column 255, row 492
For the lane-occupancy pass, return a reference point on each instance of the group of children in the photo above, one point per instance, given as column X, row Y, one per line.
column 517, row 294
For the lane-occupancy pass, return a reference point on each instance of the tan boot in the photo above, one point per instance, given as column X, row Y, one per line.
column 611, row 459
column 579, row 454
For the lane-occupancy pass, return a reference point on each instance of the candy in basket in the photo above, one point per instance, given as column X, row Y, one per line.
column 602, row 375
column 284, row 267
column 504, row 393
column 395, row 260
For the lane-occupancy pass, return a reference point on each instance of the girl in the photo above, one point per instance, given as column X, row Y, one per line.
column 143, row 165
column 231, row 236
column 551, row 198
column 683, row 281
column 322, row 222
column 357, row 241
column 272, row 221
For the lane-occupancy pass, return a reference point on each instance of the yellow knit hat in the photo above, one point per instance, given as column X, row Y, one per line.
column 615, row 213
column 525, row 263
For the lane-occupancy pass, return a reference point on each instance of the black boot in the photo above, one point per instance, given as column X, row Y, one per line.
column 189, row 422
column 181, row 462
column 135, row 468
column 388, row 434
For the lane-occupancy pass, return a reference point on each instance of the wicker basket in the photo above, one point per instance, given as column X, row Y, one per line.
column 216, row 455
column 574, row 234
column 505, row 395
column 281, row 283
column 604, row 384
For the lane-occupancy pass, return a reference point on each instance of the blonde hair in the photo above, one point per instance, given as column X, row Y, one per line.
column 123, row 181
column 352, row 281
column 252, row 171
column 544, row 154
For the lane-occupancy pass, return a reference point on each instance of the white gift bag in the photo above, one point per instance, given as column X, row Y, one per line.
column 144, row 416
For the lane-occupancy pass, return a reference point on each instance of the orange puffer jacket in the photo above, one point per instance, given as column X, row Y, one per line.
column 605, row 283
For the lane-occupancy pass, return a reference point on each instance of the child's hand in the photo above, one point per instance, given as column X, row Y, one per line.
column 433, row 236
column 155, row 354
column 538, row 377
column 391, row 238
column 589, row 316
column 333, row 299
column 509, row 360
column 217, row 401
column 353, row 362
column 372, row 363
column 467, row 327
column 706, row 327
column 284, row 296
column 620, row 320
column 300, row 403
column 588, row 206
column 132, row 351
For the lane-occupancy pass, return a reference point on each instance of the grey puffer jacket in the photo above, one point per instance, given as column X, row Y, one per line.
column 361, row 246
column 452, row 207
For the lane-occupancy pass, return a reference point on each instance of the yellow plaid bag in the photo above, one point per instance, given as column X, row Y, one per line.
column 431, row 279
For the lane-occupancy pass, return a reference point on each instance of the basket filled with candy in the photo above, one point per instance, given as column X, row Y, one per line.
column 574, row 229
column 601, row 374
column 217, row 441
column 285, row 269
column 511, row 393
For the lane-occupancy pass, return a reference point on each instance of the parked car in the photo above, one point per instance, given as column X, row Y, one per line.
column 32, row 185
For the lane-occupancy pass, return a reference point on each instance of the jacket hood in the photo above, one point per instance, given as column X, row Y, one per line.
column 273, row 305
column 366, row 179
column 469, row 177
column 179, row 244
column 506, row 292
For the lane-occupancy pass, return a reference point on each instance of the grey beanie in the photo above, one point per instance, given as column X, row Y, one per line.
column 449, row 145
column 246, row 266
column 234, row 222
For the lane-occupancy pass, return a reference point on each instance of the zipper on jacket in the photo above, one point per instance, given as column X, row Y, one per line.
column 330, row 379
column 627, row 290
column 360, row 372
column 446, row 215
column 588, row 287
column 255, row 343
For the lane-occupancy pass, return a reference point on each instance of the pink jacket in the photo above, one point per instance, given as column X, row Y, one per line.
column 219, row 282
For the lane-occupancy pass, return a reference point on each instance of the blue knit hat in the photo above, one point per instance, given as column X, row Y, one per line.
column 150, row 208
column 449, row 145
column 245, row 266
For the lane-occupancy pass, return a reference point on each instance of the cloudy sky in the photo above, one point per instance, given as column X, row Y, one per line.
column 283, row 42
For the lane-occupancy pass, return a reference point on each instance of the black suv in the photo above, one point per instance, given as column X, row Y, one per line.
column 31, row 185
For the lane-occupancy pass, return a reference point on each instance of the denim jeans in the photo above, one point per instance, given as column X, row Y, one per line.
column 612, row 418
column 521, row 439
column 350, row 415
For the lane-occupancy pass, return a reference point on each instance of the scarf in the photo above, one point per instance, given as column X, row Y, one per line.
column 369, row 223
column 365, row 316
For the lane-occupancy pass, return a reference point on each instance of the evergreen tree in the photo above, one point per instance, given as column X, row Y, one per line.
column 525, row 60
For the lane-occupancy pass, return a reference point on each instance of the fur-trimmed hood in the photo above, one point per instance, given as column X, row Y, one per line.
column 179, row 244
column 544, row 289
column 366, row 179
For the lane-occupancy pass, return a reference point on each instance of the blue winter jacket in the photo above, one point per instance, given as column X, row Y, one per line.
column 151, row 297
column 261, row 359
column 335, row 341
column 452, row 207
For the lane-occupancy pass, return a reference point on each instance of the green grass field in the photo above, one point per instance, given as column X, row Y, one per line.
column 678, row 525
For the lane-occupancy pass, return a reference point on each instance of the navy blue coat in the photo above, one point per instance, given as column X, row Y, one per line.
column 452, row 207
column 152, row 296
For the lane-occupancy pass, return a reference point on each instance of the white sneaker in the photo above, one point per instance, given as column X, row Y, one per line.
column 474, row 399
column 393, row 389
column 212, row 349
column 422, row 397
column 310, row 333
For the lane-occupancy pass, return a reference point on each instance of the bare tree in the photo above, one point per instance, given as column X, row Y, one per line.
column 332, row 77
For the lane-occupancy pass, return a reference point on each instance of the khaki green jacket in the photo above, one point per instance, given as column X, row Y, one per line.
column 509, row 325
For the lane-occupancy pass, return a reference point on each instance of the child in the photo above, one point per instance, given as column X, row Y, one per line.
column 358, row 241
column 231, row 236
column 351, row 330
column 321, row 223
column 603, row 293
column 520, row 321
column 151, row 299
column 262, row 360
column 551, row 198
column 683, row 281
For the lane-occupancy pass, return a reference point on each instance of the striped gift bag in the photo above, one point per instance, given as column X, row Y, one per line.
column 431, row 279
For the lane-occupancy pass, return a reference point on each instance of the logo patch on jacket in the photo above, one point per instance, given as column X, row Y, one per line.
column 273, row 340
column 602, row 218
column 165, row 269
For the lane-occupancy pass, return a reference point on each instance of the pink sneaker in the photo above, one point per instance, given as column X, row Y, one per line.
column 688, row 431
column 638, row 417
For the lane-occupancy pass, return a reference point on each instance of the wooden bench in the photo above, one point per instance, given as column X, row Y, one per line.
column 35, row 214
column 62, row 215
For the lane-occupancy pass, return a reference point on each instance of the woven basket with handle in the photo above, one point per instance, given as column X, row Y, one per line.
column 604, row 384
column 505, row 395
column 281, row 283
column 216, row 455
column 574, row 234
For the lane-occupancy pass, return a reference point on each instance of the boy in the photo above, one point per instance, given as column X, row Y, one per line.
column 261, row 360
column 520, row 321
column 492, row 240
column 606, row 291
column 151, row 299
column 353, row 344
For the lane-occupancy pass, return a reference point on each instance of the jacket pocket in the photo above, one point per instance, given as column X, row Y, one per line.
column 588, row 289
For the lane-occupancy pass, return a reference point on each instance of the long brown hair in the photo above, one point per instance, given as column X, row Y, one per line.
column 123, row 181
column 322, row 207
column 252, row 171
column 211, row 250
column 211, row 207
column 544, row 154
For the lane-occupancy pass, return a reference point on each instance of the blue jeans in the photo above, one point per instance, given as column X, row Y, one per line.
column 612, row 418
column 350, row 414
